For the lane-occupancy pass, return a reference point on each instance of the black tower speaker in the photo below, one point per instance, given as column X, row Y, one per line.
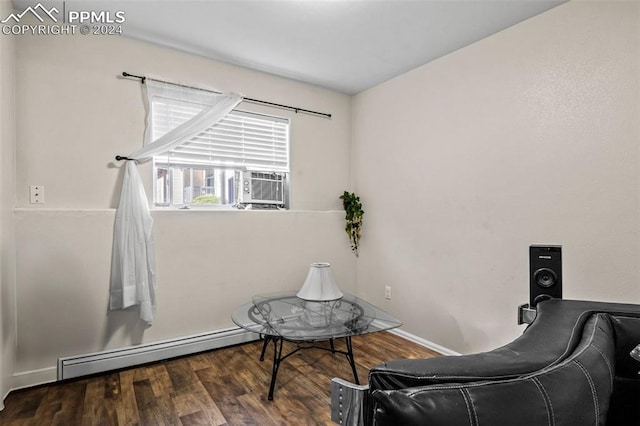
column 545, row 266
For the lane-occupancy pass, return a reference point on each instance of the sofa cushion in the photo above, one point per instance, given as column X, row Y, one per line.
column 575, row 391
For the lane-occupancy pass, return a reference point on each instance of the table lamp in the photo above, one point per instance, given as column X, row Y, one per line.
column 320, row 285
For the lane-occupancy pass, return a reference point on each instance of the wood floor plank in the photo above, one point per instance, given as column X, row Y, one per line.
column 255, row 405
column 26, row 407
column 62, row 404
column 198, row 418
column 128, row 409
column 186, row 404
column 154, row 410
column 112, row 386
column 198, row 361
column 223, row 387
column 93, row 405
column 208, row 408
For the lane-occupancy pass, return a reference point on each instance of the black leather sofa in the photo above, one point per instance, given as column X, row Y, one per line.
column 571, row 366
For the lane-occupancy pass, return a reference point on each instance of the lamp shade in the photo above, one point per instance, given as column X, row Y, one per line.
column 320, row 285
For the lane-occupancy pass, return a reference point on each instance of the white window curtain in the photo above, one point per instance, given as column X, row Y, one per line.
column 133, row 263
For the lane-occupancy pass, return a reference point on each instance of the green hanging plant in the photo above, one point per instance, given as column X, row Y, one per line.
column 353, row 217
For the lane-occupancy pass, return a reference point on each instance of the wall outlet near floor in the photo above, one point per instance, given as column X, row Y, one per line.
column 387, row 292
column 36, row 194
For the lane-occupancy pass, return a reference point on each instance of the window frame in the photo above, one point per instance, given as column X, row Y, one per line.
column 163, row 161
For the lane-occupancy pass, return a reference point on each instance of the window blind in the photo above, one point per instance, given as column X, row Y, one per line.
column 241, row 140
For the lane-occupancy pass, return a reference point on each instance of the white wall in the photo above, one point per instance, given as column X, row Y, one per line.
column 528, row 136
column 7, row 199
column 73, row 116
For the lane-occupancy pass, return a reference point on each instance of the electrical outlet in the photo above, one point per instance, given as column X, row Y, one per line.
column 387, row 292
column 37, row 194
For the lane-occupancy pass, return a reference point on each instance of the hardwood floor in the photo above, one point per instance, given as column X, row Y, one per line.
column 222, row 387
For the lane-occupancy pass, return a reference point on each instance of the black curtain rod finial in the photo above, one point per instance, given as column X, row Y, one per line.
column 140, row 77
column 120, row 158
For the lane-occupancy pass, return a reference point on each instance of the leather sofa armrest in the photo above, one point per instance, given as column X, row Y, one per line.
column 349, row 403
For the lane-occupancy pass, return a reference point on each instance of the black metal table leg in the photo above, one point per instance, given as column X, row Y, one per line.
column 277, row 358
column 352, row 362
column 278, row 343
column 264, row 346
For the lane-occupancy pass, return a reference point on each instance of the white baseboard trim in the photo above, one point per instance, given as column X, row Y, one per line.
column 424, row 342
column 27, row 379
column 99, row 362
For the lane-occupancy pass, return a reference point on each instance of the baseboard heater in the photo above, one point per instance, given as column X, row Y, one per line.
column 100, row 362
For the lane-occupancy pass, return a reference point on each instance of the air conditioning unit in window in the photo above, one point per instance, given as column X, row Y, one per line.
column 261, row 188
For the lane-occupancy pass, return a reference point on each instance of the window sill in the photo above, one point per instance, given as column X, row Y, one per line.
column 210, row 209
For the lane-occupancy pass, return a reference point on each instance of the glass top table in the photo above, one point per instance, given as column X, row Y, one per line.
column 285, row 317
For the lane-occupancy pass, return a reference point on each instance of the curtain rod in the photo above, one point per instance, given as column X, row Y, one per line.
column 252, row 100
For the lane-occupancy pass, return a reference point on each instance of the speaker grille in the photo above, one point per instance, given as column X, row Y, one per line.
column 545, row 277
